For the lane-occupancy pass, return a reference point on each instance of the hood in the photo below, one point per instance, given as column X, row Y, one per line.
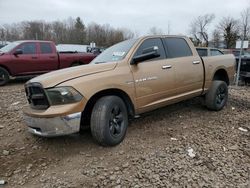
column 54, row 78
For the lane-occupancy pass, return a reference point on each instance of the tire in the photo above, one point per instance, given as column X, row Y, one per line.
column 109, row 121
column 217, row 96
column 4, row 76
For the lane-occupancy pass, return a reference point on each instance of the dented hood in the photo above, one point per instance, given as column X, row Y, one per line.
column 54, row 78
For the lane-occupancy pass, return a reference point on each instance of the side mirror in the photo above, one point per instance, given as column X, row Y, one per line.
column 18, row 52
column 147, row 53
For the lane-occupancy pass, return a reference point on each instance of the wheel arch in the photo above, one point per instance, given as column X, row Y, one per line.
column 86, row 114
column 221, row 74
column 7, row 69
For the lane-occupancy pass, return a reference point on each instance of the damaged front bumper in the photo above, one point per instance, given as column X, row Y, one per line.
column 53, row 126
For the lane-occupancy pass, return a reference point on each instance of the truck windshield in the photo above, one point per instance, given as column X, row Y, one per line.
column 9, row 47
column 115, row 53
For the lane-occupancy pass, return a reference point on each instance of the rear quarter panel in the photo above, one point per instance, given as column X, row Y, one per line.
column 215, row 63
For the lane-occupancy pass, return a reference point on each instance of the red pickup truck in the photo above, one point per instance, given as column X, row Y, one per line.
column 32, row 57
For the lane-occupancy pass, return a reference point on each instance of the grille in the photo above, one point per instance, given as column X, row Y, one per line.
column 36, row 96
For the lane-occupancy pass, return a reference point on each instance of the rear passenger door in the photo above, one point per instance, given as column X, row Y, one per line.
column 187, row 64
column 48, row 57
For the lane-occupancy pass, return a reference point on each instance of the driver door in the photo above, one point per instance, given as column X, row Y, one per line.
column 154, row 78
column 28, row 61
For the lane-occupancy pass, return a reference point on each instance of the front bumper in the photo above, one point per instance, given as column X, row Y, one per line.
column 53, row 126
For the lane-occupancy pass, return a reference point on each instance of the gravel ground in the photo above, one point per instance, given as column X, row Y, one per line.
column 182, row 145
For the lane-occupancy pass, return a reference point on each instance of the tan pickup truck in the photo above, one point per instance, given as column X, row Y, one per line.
column 127, row 79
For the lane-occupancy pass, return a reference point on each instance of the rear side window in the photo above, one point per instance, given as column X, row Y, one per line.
column 215, row 52
column 151, row 43
column 177, row 47
column 202, row 52
column 46, row 48
column 28, row 48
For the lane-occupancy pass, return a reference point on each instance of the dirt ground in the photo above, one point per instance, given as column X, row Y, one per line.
column 182, row 145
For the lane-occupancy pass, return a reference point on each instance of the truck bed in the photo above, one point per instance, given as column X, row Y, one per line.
column 227, row 62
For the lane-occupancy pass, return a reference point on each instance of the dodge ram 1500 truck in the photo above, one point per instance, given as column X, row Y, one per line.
column 127, row 79
column 26, row 58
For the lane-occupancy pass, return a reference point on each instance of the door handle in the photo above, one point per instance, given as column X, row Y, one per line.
column 33, row 57
column 52, row 57
column 196, row 62
column 166, row 67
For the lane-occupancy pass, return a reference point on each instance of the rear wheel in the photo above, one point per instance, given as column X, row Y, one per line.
column 4, row 76
column 109, row 121
column 217, row 96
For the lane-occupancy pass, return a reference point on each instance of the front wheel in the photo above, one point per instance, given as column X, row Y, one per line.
column 109, row 121
column 217, row 96
column 4, row 76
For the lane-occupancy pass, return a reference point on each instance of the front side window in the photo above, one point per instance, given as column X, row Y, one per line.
column 215, row 52
column 46, row 48
column 28, row 48
column 177, row 47
column 148, row 43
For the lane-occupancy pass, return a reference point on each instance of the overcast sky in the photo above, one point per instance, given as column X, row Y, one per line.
column 137, row 15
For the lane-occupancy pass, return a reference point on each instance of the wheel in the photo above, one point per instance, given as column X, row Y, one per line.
column 4, row 76
column 109, row 121
column 217, row 96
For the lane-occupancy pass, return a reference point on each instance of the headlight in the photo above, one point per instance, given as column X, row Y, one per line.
column 63, row 95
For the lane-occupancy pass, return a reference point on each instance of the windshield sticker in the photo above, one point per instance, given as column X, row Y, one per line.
column 119, row 54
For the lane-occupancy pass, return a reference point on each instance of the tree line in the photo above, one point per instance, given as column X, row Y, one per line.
column 70, row 31
column 74, row 31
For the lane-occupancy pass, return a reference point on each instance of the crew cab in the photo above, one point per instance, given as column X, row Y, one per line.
column 124, row 81
column 26, row 58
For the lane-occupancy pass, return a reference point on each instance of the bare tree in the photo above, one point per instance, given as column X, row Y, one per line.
column 195, row 37
column 96, row 33
column 199, row 28
column 13, row 31
column 59, row 32
column 127, row 34
column 33, row 30
column 216, row 38
column 245, row 23
column 230, row 29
